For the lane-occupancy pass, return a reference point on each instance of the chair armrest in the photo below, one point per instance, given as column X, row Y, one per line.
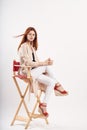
column 23, row 66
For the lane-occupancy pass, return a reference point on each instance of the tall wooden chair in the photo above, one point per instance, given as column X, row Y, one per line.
column 28, row 81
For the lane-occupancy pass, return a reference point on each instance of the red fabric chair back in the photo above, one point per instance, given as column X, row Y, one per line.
column 16, row 65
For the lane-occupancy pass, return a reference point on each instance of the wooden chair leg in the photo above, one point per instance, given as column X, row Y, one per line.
column 30, row 115
column 33, row 111
column 22, row 96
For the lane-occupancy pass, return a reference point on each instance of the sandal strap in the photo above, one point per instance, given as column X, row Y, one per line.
column 41, row 107
column 57, row 86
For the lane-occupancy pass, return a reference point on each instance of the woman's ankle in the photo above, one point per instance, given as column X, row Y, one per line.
column 43, row 108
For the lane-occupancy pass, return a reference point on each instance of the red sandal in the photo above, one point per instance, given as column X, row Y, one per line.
column 59, row 92
column 41, row 109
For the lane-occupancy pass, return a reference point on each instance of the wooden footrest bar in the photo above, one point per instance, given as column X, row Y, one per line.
column 21, row 118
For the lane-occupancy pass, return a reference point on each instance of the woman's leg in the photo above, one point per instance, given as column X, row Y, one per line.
column 37, row 73
column 58, row 87
column 50, row 83
column 50, row 74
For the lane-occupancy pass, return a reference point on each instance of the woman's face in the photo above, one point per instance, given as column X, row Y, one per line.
column 31, row 36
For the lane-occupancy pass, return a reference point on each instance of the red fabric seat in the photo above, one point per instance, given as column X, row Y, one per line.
column 21, row 76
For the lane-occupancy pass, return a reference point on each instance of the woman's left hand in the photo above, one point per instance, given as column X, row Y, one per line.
column 50, row 62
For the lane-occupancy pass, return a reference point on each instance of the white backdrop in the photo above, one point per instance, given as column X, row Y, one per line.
column 62, row 35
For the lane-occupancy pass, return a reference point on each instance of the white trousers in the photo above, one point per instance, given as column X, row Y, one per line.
column 48, row 79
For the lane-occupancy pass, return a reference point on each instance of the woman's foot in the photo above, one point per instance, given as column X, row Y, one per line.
column 43, row 110
column 59, row 90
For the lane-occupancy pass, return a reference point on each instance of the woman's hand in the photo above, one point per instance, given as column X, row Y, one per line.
column 48, row 62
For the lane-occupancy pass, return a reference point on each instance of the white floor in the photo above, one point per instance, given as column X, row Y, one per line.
column 35, row 124
column 38, row 125
column 68, row 116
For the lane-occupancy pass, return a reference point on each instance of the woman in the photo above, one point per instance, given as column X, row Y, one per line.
column 27, row 53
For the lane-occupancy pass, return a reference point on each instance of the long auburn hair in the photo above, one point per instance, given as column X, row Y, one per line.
column 24, row 39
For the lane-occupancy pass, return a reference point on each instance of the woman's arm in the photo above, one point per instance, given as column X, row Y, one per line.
column 25, row 55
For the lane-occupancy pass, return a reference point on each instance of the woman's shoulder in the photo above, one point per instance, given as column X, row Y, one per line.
column 24, row 44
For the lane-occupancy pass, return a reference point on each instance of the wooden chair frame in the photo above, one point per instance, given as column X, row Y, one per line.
column 22, row 96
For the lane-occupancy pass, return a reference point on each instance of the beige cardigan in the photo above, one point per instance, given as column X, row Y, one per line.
column 25, row 54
